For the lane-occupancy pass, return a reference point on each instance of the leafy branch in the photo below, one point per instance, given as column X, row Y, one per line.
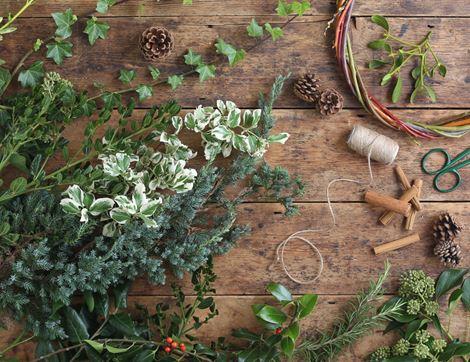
column 402, row 55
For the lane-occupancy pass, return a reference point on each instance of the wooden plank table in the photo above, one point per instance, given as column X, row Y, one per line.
column 317, row 149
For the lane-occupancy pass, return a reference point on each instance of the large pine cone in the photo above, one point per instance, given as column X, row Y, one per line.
column 307, row 88
column 449, row 252
column 156, row 42
column 446, row 228
column 330, row 102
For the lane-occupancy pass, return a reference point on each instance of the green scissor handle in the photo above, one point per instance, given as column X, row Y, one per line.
column 450, row 166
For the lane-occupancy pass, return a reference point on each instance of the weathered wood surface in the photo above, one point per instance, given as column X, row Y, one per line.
column 142, row 8
column 302, row 49
column 349, row 261
column 234, row 314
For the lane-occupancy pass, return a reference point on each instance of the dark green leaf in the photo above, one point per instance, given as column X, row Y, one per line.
column 279, row 292
column 102, row 304
column 307, row 303
column 19, row 161
column 442, row 70
column 293, row 331
column 120, row 295
column 123, row 323
column 5, row 78
column 437, row 324
column 206, row 303
column 272, row 315
column 32, row 76
column 96, row 30
column 397, row 90
column 59, row 50
column 45, row 347
column 287, row 346
column 75, row 326
column 466, row 294
column 448, row 280
column 89, row 300
column 64, row 22
column 415, row 326
column 243, row 333
column 376, row 63
column 454, row 349
column 454, row 298
column 380, row 21
column 18, row 185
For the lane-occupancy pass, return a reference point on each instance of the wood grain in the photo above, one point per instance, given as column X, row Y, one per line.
column 139, row 8
column 302, row 49
column 235, row 312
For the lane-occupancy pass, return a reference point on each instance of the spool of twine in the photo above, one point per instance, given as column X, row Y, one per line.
column 373, row 145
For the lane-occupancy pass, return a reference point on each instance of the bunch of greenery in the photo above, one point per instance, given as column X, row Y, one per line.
column 420, row 294
column 405, row 53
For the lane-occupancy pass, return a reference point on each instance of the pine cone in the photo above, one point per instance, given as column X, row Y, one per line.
column 307, row 88
column 330, row 102
column 449, row 252
column 156, row 42
column 446, row 228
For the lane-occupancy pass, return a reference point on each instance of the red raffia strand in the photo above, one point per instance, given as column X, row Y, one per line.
column 456, row 127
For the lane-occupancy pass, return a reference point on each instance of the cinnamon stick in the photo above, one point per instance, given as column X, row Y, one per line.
column 406, row 185
column 397, row 244
column 408, row 195
column 387, row 202
column 410, row 220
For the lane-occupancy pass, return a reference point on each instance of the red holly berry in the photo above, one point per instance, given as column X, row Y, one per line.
column 182, row 347
column 278, row 331
column 174, row 345
column 168, row 340
column 167, row 349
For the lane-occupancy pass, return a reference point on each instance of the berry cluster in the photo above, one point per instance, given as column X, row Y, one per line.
column 171, row 345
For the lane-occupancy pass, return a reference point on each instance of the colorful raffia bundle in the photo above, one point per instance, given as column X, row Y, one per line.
column 456, row 127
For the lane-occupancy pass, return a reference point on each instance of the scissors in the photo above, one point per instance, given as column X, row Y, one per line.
column 450, row 166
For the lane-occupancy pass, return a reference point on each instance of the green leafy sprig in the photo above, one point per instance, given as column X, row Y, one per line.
column 428, row 63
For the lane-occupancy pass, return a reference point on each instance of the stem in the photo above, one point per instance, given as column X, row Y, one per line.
column 21, row 11
column 15, row 344
column 399, row 40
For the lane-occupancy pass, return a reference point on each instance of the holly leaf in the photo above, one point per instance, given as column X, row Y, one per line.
column 154, row 72
column 102, row 6
column 32, row 76
column 254, row 29
column 96, row 30
column 234, row 55
column 205, row 72
column 127, row 76
column 276, row 32
column 175, row 81
column 144, row 91
column 59, row 50
column 64, row 22
column 192, row 58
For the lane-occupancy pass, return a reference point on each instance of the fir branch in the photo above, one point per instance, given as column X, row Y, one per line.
column 357, row 322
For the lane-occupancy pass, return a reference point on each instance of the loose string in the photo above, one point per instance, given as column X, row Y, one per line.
column 363, row 141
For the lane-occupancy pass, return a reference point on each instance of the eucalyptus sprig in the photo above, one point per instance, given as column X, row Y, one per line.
column 401, row 53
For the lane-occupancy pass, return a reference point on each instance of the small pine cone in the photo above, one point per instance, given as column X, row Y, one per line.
column 307, row 88
column 449, row 252
column 446, row 228
column 330, row 102
column 156, row 42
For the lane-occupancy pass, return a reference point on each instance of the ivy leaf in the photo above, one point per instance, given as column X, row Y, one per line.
column 102, row 6
column 5, row 78
column 175, row 81
column 276, row 32
column 234, row 55
column 397, row 90
column 144, row 91
column 254, row 29
column 206, row 71
column 59, row 50
column 301, row 7
column 96, row 30
column 380, row 21
column 192, row 58
column 31, row 76
column 154, row 72
column 283, row 8
column 64, row 22
column 127, row 76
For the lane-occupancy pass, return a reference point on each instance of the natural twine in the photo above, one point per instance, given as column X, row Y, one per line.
column 366, row 142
